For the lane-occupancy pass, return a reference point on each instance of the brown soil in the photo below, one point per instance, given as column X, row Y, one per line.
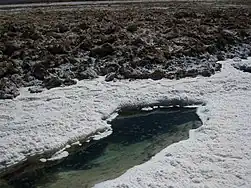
column 50, row 47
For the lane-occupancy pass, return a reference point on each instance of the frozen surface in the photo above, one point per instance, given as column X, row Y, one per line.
column 217, row 155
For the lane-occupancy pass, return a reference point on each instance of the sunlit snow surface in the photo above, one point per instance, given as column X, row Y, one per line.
column 218, row 154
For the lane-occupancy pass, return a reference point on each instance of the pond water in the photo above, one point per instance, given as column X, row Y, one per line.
column 136, row 137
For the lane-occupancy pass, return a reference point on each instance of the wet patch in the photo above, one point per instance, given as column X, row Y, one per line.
column 137, row 136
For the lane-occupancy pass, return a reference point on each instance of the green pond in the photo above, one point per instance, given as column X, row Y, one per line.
column 136, row 137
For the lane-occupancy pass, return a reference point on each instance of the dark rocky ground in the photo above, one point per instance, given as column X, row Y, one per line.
column 43, row 48
column 243, row 66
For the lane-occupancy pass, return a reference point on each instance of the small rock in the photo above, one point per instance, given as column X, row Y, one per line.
column 9, row 67
column 217, row 66
column 17, row 80
column 220, row 56
column 11, row 34
column 192, row 72
column 11, row 47
column 110, row 77
column 57, row 49
column 87, row 74
column 243, row 67
column 102, row 51
column 183, row 14
column 38, row 71
column 8, row 90
column 211, row 48
column 54, row 35
column 52, row 82
column 84, row 25
column 111, row 28
column 86, row 44
column 31, row 34
column 112, row 67
column 68, row 82
column 13, row 27
column 206, row 73
column 3, row 69
column 62, row 28
column 237, row 59
column 157, row 75
column 35, row 89
column 138, row 42
column 132, row 28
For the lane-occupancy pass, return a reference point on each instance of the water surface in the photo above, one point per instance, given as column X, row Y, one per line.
column 136, row 137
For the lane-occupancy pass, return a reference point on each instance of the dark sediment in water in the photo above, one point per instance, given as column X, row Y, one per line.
column 136, row 137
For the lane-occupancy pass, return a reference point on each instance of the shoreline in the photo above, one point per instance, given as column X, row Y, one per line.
column 99, row 99
column 65, row 71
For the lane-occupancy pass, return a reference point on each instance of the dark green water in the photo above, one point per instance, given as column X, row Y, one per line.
column 136, row 137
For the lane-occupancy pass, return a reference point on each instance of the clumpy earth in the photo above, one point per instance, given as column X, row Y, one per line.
column 52, row 47
column 242, row 66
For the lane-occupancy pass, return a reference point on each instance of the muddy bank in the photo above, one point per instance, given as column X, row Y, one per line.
column 47, row 49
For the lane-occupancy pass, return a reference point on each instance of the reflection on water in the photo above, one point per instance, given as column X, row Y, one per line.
column 137, row 136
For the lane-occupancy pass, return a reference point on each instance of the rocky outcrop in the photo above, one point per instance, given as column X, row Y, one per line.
column 42, row 51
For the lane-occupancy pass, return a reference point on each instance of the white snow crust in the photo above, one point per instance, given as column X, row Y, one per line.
column 218, row 154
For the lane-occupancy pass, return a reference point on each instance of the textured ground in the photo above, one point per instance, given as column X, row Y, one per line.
column 49, row 47
column 216, row 155
column 8, row 2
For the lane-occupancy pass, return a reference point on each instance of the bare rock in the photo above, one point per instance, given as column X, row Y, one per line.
column 89, row 73
column 35, row 89
column 132, row 28
column 102, row 51
column 8, row 89
column 68, row 82
column 62, row 28
column 86, row 44
column 157, row 74
column 111, row 28
column 39, row 71
column 84, row 25
column 52, row 82
column 217, row 67
column 54, row 35
column 17, row 80
column 243, row 67
column 110, row 77
column 11, row 47
column 57, row 49
column 3, row 69
column 205, row 72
